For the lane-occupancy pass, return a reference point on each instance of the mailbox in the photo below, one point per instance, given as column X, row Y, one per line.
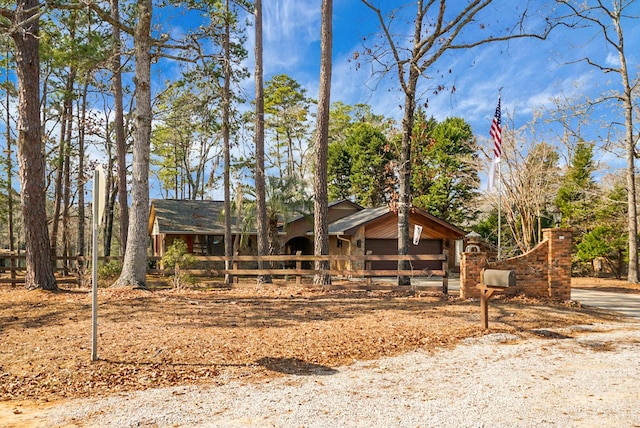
column 493, row 280
column 498, row 278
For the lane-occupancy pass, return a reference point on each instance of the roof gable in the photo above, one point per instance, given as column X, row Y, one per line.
column 302, row 225
column 368, row 216
column 344, row 204
column 346, row 224
column 442, row 224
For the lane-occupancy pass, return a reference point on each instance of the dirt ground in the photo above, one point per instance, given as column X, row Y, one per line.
column 606, row 284
column 174, row 337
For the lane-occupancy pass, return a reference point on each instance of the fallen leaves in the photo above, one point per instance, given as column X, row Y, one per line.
column 167, row 338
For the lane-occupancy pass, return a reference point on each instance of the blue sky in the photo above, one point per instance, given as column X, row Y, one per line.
column 530, row 72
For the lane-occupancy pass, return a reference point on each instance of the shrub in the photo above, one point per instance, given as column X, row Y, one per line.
column 109, row 270
column 177, row 258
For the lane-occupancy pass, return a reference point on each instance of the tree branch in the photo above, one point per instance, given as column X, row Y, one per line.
column 102, row 14
column 6, row 13
column 396, row 55
column 11, row 16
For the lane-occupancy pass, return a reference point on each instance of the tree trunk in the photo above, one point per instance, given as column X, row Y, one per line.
column 321, row 202
column 59, row 162
column 226, row 107
column 632, row 275
column 62, row 176
column 134, row 268
column 9, row 163
column 80, row 179
column 118, row 125
column 111, row 189
column 39, row 272
column 109, row 216
column 404, row 202
column 627, row 98
column 66, row 190
column 261, row 199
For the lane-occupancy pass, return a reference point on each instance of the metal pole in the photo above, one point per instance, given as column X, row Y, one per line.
column 499, row 208
column 94, row 269
column 499, row 161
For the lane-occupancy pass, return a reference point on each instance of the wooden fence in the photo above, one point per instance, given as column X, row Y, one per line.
column 73, row 269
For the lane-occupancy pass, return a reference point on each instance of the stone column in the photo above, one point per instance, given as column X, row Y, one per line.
column 471, row 263
column 559, row 262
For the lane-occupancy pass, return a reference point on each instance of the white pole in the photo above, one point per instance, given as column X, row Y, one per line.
column 94, row 268
column 499, row 209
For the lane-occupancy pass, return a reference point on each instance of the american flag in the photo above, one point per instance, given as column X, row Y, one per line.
column 496, row 133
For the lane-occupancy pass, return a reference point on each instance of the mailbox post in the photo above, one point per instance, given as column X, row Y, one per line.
column 492, row 280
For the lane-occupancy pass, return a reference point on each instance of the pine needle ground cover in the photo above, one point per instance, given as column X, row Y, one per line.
column 172, row 337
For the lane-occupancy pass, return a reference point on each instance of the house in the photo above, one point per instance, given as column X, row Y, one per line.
column 299, row 232
column 200, row 224
column 353, row 230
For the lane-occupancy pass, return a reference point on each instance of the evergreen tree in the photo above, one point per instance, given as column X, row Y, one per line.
column 349, row 127
column 575, row 198
column 287, row 110
column 338, row 172
column 606, row 236
column 358, row 167
column 185, row 141
column 23, row 25
column 445, row 174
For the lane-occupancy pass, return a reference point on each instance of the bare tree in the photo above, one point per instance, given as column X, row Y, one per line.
column 23, row 24
column 608, row 19
column 530, row 179
column 321, row 145
column 438, row 28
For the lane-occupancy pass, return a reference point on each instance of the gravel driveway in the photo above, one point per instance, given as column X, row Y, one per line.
column 584, row 376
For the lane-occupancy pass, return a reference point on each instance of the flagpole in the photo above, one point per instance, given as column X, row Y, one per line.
column 499, row 209
column 496, row 133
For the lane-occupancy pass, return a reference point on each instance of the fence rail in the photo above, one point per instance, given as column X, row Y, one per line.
column 72, row 269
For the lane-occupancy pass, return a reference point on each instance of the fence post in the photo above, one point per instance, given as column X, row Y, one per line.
column 298, row 268
column 13, row 264
column 234, row 278
column 445, row 277
column 367, row 267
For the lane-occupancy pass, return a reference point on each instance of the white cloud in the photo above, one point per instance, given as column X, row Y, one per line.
column 289, row 27
column 613, row 60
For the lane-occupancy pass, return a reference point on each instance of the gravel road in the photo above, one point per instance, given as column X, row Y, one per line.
column 584, row 376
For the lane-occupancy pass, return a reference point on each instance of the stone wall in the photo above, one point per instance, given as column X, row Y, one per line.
column 545, row 271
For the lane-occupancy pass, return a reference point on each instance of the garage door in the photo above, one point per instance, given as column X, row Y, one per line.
column 390, row 246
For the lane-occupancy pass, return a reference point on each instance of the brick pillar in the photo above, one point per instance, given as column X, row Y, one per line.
column 471, row 263
column 559, row 262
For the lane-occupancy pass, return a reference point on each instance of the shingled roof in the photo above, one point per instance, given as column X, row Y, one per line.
column 174, row 216
column 198, row 217
column 348, row 225
column 345, row 224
